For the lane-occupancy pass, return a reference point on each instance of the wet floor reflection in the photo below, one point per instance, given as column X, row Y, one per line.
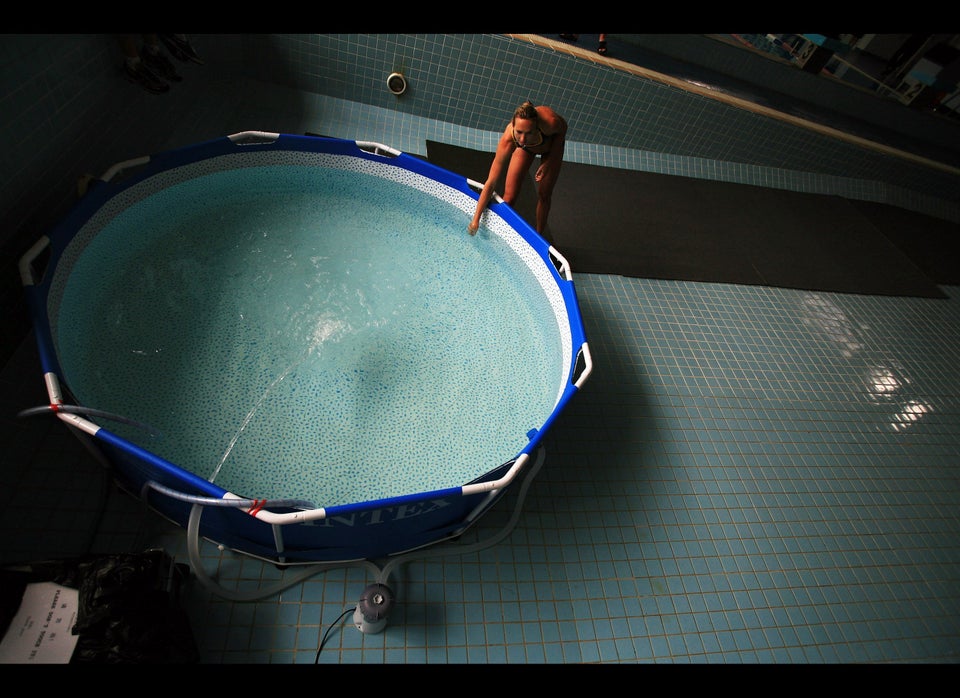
column 886, row 381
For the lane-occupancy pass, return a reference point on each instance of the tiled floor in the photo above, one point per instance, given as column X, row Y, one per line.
column 750, row 475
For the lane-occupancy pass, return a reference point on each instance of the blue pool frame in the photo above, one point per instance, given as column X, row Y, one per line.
column 287, row 532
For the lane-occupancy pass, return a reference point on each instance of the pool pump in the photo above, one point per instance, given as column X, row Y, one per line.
column 374, row 606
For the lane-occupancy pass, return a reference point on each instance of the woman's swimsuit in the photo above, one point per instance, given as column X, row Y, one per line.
column 544, row 138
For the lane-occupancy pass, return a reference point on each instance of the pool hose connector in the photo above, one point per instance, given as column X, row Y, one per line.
column 374, row 606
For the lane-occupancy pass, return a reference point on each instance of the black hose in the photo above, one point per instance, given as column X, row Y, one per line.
column 87, row 412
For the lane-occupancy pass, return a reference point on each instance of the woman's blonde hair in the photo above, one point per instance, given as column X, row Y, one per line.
column 525, row 111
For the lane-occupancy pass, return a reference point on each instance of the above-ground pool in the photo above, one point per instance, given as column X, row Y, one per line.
column 299, row 335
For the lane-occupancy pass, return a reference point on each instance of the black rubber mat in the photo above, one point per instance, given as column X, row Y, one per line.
column 932, row 243
column 641, row 224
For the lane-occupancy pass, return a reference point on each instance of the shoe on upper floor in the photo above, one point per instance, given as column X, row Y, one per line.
column 181, row 48
column 139, row 74
column 160, row 65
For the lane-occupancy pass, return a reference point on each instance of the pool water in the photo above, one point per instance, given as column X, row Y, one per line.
column 310, row 333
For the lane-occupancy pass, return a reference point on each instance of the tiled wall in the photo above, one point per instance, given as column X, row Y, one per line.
column 66, row 111
column 473, row 80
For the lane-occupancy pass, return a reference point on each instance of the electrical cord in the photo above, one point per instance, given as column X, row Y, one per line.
column 326, row 635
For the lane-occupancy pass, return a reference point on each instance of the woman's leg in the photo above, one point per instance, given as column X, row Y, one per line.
column 516, row 172
column 547, row 177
